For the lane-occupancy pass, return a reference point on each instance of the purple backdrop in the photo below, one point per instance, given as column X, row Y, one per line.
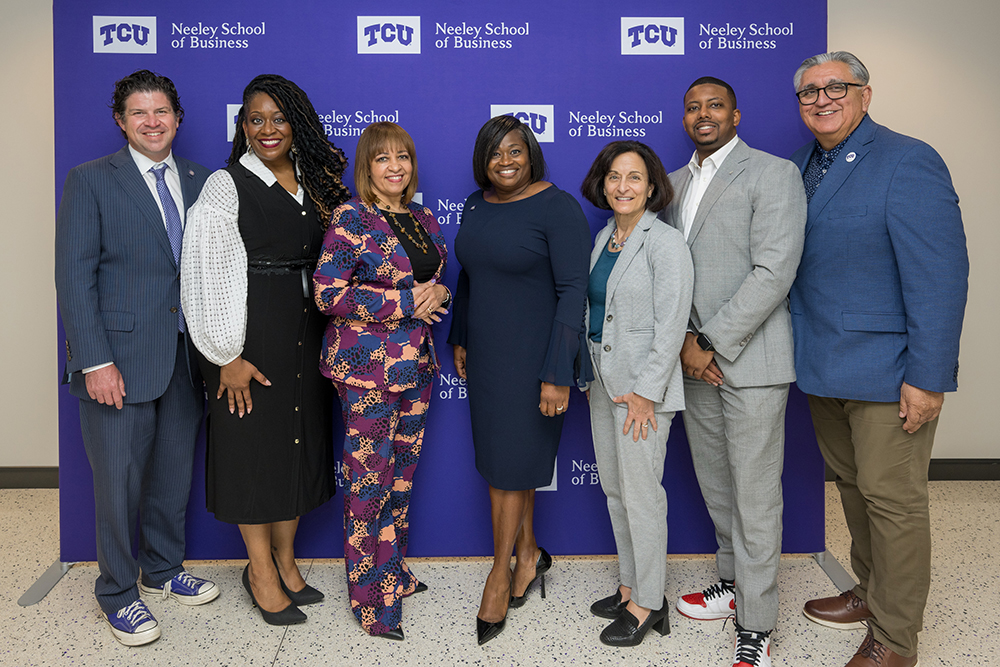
column 581, row 74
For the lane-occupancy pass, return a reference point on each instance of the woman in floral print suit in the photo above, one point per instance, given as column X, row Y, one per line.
column 378, row 280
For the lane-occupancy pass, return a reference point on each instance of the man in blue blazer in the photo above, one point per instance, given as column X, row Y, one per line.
column 877, row 310
column 118, row 236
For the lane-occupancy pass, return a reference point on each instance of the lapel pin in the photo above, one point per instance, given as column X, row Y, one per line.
column 850, row 156
column 190, row 172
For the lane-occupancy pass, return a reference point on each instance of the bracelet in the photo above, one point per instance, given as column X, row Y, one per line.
column 448, row 300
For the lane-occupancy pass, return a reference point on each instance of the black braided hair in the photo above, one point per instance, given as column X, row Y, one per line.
column 320, row 162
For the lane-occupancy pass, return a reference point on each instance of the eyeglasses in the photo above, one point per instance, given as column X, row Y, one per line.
column 834, row 91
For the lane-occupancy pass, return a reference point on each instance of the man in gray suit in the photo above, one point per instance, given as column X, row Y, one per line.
column 118, row 240
column 743, row 214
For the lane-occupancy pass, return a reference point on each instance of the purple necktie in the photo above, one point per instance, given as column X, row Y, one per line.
column 173, row 218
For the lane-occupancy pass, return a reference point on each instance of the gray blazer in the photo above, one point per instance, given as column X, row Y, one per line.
column 746, row 242
column 646, row 313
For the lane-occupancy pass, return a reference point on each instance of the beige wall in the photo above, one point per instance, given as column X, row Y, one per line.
column 28, row 411
column 935, row 71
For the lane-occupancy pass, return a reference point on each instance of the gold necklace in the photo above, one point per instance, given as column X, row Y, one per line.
column 419, row 241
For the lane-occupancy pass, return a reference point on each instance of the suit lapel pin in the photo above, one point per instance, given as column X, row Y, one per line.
column 190, row 172
column 850, row 156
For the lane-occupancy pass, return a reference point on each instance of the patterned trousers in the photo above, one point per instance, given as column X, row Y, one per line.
column 385, row 431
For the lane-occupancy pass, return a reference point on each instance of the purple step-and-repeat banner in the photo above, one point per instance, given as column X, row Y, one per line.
column 581, row 74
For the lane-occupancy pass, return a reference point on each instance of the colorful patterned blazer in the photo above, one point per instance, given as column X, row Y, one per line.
column 364, row 282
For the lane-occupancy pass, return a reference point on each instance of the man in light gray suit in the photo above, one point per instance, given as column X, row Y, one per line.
column 118, row 241
column 743, row 213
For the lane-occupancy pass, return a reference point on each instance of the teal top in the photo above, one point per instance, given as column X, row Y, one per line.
column 597, row 291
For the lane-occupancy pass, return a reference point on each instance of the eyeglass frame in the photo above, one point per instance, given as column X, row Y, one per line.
column 847, row 87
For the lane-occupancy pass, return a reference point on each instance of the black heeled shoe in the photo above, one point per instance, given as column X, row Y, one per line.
column 421, row 587
column 541, row 567
column 626, row 631
column 290, row 615
column 609, row 607
column 396, row 634
column 307, row 595
column 486, row 630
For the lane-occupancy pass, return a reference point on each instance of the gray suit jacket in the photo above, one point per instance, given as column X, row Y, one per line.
column 646, row 312
column 746, row 242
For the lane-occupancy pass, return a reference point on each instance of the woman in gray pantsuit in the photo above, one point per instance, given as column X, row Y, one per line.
column 639, row 301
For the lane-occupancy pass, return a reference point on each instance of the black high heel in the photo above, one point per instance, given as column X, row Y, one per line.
column 541, row 567
column 486, row 630
column 307, row 595
column 290, row 615
column 626, row 631
column 396, row 634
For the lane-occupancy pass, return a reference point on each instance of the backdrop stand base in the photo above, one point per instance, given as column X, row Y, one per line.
column 45, row 583
column 833, row 569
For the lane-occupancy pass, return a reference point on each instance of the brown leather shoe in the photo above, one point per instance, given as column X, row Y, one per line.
column 874, row 654
column 843, row 612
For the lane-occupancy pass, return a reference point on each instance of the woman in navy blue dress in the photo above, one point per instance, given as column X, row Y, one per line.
column 524, row 246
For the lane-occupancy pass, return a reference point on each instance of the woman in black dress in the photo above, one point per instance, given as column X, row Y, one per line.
column 524, row 246
column 250, row 245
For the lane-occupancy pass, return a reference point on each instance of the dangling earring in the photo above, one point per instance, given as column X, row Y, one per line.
column 295, row 149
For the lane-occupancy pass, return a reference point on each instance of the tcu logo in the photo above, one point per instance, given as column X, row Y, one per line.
column 388, row 34
column 652, row 36
column 539, row 117
column 232, row 115
column 124, row 34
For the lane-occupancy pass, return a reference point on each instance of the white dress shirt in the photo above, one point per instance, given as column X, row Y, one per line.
column 172, row 179
column 701, row 176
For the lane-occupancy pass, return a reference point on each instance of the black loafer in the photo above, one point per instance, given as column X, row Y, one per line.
column 626, row 631
column 609, row 607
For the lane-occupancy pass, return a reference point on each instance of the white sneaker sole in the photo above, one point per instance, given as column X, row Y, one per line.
column 853, row 625
column 701, row 614
column 186, row 600
column 134, row 638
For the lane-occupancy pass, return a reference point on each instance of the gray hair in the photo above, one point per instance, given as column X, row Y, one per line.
column 858, row 69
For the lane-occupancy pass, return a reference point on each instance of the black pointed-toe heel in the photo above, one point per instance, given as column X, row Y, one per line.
column 307, row 595
column 541, row 567
column 609, row 607
column 421, row 587
column 396, row 634
column 290, row 615
column 626, row 631
column 486, row 631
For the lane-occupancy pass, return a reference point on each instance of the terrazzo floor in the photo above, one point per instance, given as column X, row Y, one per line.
column 961, row 623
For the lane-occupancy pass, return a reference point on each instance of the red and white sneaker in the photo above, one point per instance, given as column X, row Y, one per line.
column 715, row 603
column 753, row 649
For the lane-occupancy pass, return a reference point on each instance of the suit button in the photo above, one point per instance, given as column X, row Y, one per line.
column 174, row 309
column 305, row 247
column 607, row 348
column 296, row 441
column 303, row 212
column 610, row 317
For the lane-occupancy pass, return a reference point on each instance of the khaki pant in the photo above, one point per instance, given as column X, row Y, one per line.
column 882, row 476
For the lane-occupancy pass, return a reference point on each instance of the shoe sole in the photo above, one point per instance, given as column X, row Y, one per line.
column 134, row 638
column 704, row 617
column 853, row 625
column 186, row 600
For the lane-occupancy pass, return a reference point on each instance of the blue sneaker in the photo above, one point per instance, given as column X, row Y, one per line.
column 133, row 625
column 184, row 588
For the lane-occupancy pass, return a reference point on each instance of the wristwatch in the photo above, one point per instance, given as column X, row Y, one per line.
column 704, row 343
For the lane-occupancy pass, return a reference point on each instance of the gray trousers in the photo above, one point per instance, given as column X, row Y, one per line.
column 737, row 440
column 632, row 478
